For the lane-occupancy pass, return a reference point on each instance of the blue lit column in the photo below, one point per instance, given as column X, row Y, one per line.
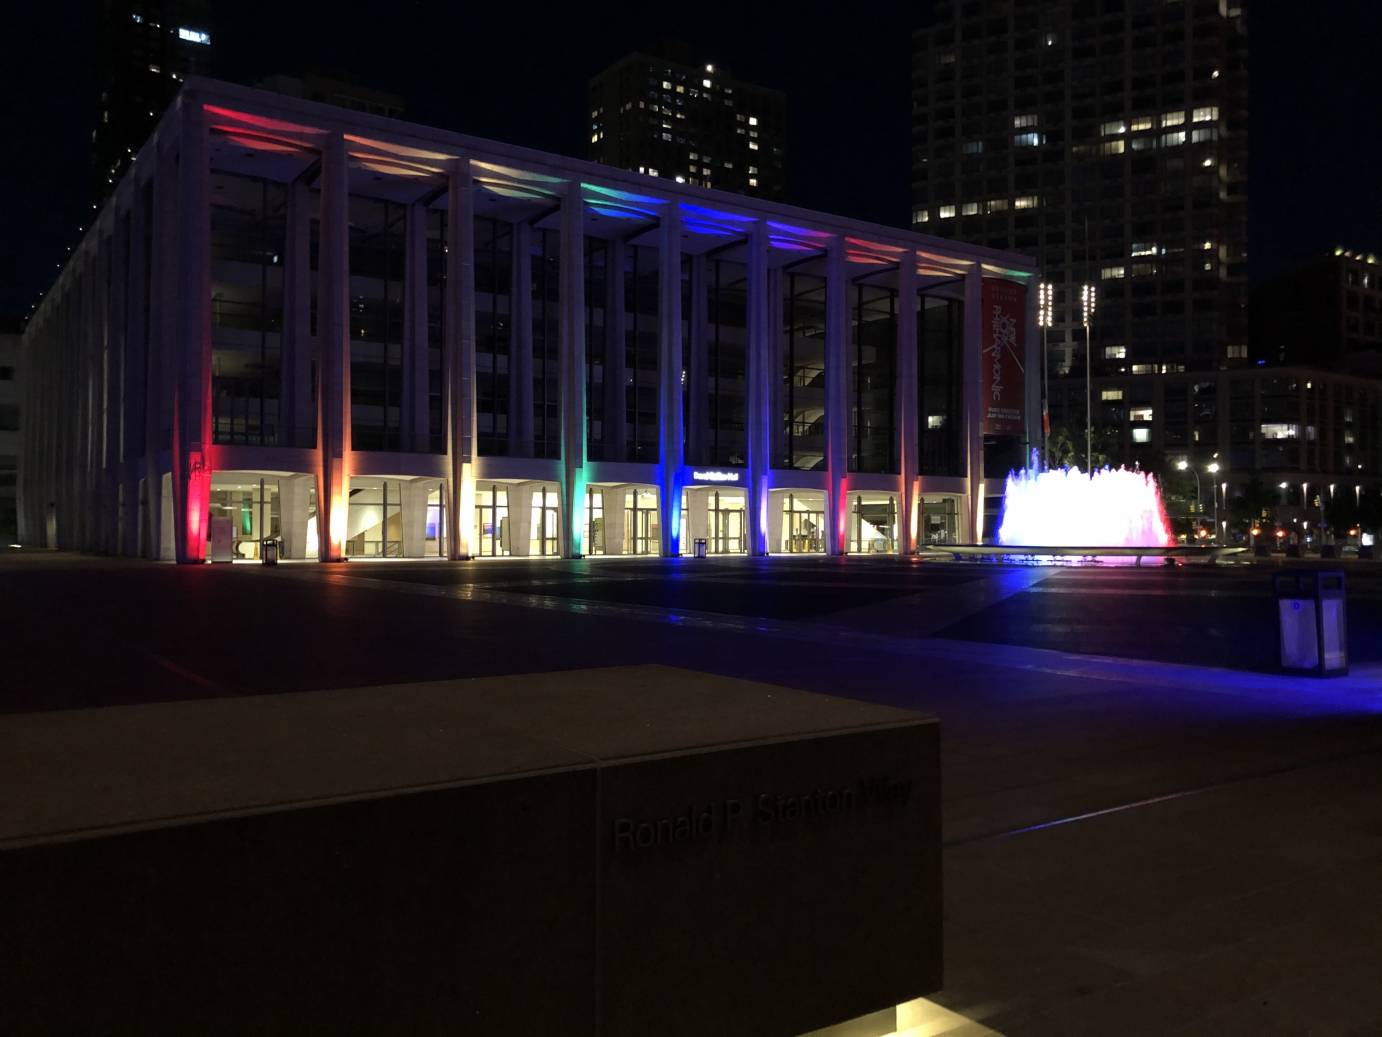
column 458, row 360
column 572, row 367
column 758, row 393
column 974, row 402
column 333, row 337
column 671, row 433
column 836, row 395
column 907, row 404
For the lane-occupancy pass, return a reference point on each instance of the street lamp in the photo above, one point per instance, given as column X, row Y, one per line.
column 1044, row 309
column 1087, row 302
column 1185, row 465
column 1213, row 468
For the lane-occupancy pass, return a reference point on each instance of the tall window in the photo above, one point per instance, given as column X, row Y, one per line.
column 873, row 380
column 248, row 234
column 719, row 378
column 640, row 353
column 803, row 373
column 493, row 332
column 546, row 299
column 436, row 331
column 377, row 242
column 940, row 337
column 596, row 327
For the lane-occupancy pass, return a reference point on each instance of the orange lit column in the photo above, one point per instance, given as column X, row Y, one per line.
column 458, row 360
column 758, row 391
column 192, row 390
column 571, row 364
column 974, row 402
column 672, row 434
column 333, row 337
column 836, row 395
column 907, row 403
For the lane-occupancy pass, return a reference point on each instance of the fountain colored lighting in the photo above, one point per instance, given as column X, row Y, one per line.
column 1067, row 508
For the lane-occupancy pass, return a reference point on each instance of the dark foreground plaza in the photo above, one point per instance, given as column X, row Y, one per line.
column 1146, row 829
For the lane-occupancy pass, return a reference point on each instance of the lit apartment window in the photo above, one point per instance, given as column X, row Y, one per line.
column 1238, row 351
column 1113, row 147
column 753, row 120
column 753, row 181
column 195, row 36
column 1172, row 119
column 1026, row 201
column 1115, row 352
column 1140, row 414
column 753, row 145
column 1110, row 129
column 1108, row 395
column 1142, row 122
column 705, row 82
column 935, row 421
column 1142, row 435
column 1208, row 114
column 920, row 216
column 1280, row 430
column 997, row 204
column 1144, row 368
column 970, row 208
column 1021, row 122
column 946, row 212
column 1144, row 248
column 1171, row 140
column 1110, row 273
column 972, row 147
column 1028, row 140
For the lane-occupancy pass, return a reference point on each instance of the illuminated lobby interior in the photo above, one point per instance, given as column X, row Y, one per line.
column 363, row 338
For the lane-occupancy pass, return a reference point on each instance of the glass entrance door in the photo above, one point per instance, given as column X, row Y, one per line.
column 543, row 540
column 803, row 523
column 726, row 524
column 491, row 521
column 642, row 532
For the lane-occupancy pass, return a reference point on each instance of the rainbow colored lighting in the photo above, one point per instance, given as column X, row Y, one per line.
column 1067, row 508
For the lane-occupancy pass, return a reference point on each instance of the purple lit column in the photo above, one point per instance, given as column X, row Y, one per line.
column 836, row 395
column 758, row 392
column 671, row 432
column 907, row 404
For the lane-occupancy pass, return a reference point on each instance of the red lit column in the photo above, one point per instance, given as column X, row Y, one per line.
column 836, row 395
column 907, row 404
column 458, row 360
column 974, row 402
column 333, row 337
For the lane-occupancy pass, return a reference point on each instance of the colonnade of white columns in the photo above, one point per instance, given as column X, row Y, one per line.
column 124, row 397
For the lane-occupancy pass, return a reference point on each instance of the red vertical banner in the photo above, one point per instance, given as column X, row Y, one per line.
column 1004, row 323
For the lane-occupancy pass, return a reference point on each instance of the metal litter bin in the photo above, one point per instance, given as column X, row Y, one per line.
column 1312, row 621
column 268, row 552
column 700, row 548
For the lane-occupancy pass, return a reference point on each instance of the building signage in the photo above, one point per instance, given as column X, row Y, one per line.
column 1004, row 322
column 701, row 476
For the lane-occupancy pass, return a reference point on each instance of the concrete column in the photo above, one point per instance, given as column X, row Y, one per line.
column 458, row 360
column 414, row 502
column 520, row 517
column 613, row 501
column 836, row 395
column 758, row 391
column 1032, row 370
column 973, row 396
column 192, row 395
column 571, row 363
column 671, row 430
column 698, row 370
column 158, row 386
column 294, row 494
column 297, row 418
column 521, row 345
column 333, row 338
column 613, row 400
column 113, row 247
column 908, row 433
column 414, row 420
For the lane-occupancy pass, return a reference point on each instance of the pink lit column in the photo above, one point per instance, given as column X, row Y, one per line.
column 333, row 339
column 907, row 403
column 192, row 391
column 836, row 395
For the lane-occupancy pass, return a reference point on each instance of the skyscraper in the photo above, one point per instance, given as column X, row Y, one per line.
column 1108, row 139
column 691, row 122
column 146, row 49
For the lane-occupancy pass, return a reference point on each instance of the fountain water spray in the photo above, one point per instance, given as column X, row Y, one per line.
column 1066, row 508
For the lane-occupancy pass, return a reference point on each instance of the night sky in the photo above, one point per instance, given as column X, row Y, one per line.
column 518, row 73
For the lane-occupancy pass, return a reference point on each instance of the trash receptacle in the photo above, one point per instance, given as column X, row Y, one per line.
column 268, row 552
column 1312, row 621
column 700, row 547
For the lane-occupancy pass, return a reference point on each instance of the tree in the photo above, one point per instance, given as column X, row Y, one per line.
column 1254, row 502
column 1067, row 446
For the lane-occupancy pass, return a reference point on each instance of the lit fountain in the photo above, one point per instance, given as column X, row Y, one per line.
column 1067, row 508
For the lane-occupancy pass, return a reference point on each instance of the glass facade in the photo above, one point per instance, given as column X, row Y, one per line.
column 940, row 417
column 872, row 523
column 873, row 380
column 803, row 522
column 642, row 534
column 546, row 379
column 492, row 530
column 596, row 328
column 378, row 239
column 248, row 234
column 720, row 436
column 493, row 332
column 374, row 522
column 545, row 522
column 802, row 443
column 640, row 353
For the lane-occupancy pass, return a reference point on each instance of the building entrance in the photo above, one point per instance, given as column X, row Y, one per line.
column 872, row 523
column 642, row 531
column 726, row 524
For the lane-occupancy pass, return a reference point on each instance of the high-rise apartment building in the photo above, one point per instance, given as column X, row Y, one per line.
column 689, row 122
column 1327, row 313
column 146, row 48
column 1107, row 139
